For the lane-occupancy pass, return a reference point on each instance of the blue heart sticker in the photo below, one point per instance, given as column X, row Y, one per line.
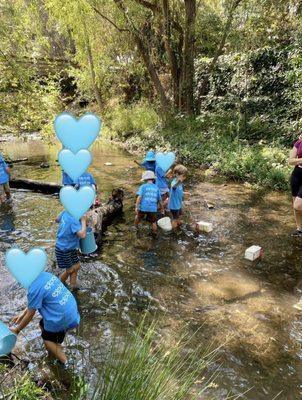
column 76, row 134
column 165, row 160
column 74, row 164
column 7, row 340
column 26, row 267
column 77, row 202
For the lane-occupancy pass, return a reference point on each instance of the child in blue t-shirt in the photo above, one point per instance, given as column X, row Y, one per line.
column 162, row 182
column 176, row 196
column 4, row 181
column 58, row 309
column 148, row 200
column 68, row 240
column 149, row 161
column 86, row 179
column 66, row 180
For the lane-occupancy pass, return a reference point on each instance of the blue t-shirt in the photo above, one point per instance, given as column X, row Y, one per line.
column 161, row 180
column 55, row 303
column 86, row 179
column 150, row 196
column 176, row 196
column 4, row 176
column 67, row 238
column 66, row 180
column 149, row 165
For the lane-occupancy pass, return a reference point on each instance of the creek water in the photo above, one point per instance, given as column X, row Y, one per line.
column 203, row 282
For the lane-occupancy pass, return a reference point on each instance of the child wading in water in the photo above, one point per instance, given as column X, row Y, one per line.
column 148, row 200
column 58, row 309
column 180, row 173
column 69, row 234
column 4, row 181
column 149, row 161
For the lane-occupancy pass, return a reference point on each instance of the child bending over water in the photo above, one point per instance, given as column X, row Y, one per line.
column 58, row 309
column 148, row 200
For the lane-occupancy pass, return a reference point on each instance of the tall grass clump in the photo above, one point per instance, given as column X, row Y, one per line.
column 144, row 368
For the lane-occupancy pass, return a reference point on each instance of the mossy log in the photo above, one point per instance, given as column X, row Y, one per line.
column 102, row 215
column 35, row 186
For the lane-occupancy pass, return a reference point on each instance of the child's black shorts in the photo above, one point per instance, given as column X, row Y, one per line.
column 150, row 216
column 66, row 258
column 55, row 337
column 176, row 213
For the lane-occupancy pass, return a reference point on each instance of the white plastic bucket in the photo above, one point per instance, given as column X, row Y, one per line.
column 165, row 224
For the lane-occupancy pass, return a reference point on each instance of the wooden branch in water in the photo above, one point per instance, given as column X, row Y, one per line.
column 35, row 186
column 105, row 213
column 18, row 160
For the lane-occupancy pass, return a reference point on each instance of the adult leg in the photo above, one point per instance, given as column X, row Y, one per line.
column 297, row 203
column 55, row 350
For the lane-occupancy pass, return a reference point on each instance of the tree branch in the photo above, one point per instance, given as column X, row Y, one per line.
column 153, row 7
column 109, row 20
column 225, row 34
column 156, row 8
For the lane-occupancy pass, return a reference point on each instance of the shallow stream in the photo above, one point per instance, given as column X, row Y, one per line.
column 203, row 281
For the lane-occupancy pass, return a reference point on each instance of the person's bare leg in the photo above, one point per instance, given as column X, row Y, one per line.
column 74, row 276
column 65, row 275
column 174, row 223
column 7, row 193
column 154, row 227
column 56, row 350
column 136, row 220
column 297, row 202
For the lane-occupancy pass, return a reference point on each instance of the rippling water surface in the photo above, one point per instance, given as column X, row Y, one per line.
column 204, row 281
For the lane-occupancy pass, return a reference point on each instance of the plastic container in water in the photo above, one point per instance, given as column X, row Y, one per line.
column 88, row 245
column 253, row 252
column 7, row 340
column 203, row 226
column 165, row 224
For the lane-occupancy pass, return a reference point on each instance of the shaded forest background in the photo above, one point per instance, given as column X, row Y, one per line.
column 218, row 80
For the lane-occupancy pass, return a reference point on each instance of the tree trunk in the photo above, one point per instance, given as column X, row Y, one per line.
column 219, row 51
column 188, row 57
column 173, row 64
column 145, row 54
column 91, row 67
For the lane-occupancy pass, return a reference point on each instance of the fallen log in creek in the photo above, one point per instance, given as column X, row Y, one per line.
column 35, row 186
column 101, row 216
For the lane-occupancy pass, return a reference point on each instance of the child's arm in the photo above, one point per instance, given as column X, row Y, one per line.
column 58, row 219
column 27, row 317
column 169, row 174
column 138, row 202
column 18, row 317
column 82, row 232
